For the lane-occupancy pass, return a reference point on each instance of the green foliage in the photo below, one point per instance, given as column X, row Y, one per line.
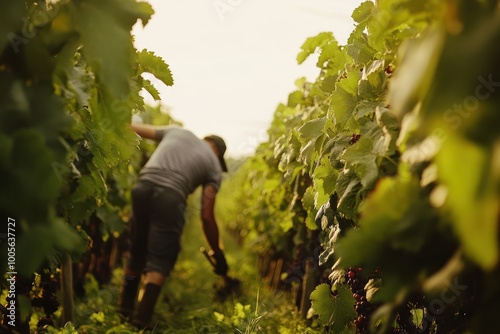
column 68, row 328
column 150, row 63
column 189, row 304
column 71, row 80
column 337, row 311
column 398, row 140
column 111, row 54
column 389, row 160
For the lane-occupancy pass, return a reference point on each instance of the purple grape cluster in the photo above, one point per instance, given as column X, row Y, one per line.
column 363, row 307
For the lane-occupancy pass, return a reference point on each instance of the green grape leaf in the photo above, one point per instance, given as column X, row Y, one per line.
column 69, row 328
column 33, row 106
column 295, row 98
column 414, row 77
column 312, row 44
column 365, row 108
column 337, row 311
column 323, row 304
column 42, row 238
column 110, row 217
column 32, row 177
column 473, row 197
column 129, row 11
column 325, row 179
column 332, row 58
column 363, row 11
column 313, row 129
column 348, row 187
column 110, row 57
column 110, row 139
column 390, row 235
column 308, row 199
column 344, row 99
column 409, row 232
column 86, row 189
column 292, row 170
column 363, row 159
column 66, row 238
column 79, row 84
column 360, row 50
column 150, row 63
column 308, row 205
column 336, row 147
column 47, row 114
column 310, row 223
column 372, row 82
column 331, row 237
column 148, row 86
column 308, row 152
column 328, row 54
column 286, row 222
column 328, row 83
column 38, row 238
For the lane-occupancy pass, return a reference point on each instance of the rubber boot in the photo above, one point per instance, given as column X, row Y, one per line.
column 128, row 296
column 144, row 311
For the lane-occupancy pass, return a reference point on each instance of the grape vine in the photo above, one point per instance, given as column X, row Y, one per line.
column 398, row 138
column 71, row 80
column 388, row 161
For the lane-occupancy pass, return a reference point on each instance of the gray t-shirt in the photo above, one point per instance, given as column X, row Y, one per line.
column 182, row 162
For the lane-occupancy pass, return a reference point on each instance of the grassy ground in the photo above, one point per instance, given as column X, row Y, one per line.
column 189, row 303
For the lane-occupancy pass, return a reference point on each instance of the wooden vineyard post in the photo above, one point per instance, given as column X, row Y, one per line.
column 270, row 272
column 277, row 274
column 113, row 258
column 264, row 264
column 308, row 285
column 67, row 288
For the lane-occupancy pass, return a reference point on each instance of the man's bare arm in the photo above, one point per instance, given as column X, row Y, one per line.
column 145, row 130
column 210, row 228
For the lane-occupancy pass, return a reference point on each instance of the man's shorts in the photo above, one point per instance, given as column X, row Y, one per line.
column 155, row 227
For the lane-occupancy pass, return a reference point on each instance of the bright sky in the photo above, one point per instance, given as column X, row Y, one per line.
column 233, row 61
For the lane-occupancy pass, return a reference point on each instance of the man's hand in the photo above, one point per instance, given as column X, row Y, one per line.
column 211, row 230
column 220, row 267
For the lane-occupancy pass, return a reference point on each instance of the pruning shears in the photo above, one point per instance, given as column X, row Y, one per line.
column 230, row 284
